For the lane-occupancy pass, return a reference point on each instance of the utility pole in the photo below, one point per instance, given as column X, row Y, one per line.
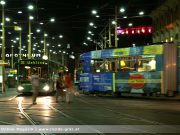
column 105, row 38
column 20, row 44
column 109, row 33
column 115, row 30
column 29, row 42
column 3, row 47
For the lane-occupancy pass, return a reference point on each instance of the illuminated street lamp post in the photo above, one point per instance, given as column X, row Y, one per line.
column 3, row 30
column 12, row 59
column 29, row 35
column 30, row 7
column 45, row 56
column 45, row 35
column 3, row 46
column 17, row 28
column 20, row 43
column 115, row 31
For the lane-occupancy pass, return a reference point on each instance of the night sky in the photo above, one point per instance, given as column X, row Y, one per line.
column 73, row 17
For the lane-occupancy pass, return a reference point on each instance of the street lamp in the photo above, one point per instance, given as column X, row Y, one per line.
column 94, row 12
column 141, row 13
column 60, row 36
column 30, row 7
column 122, row 10
column 7, row 19
column 52, row 20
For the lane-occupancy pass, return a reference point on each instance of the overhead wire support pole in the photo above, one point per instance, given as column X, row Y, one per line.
column 12, row 58
column 105, row 38
column 3, row 34
column 115, row 30
column 44, row 44
column 109, row 30
column 3, row 49
column 29, row 42
column 20, row 44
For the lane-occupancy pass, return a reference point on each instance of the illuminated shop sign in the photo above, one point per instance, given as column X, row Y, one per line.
column 32, row 62
column 22, row 55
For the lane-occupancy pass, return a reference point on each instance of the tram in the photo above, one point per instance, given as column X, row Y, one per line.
column 47, row 72
column 151, row 69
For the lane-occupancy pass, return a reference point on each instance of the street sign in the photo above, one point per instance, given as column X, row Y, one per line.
column 2, row 63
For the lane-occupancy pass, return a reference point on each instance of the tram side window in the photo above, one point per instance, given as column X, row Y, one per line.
column 127, row 64
column 81, row 67
column 146, row 63
column 96, row 66
column 137, row 63
column 102, row 65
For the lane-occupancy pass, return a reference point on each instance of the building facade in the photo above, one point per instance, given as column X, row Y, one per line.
column 166, row 22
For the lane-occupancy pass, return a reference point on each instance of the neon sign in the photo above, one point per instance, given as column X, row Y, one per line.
column 23, row 55
column 32, row 62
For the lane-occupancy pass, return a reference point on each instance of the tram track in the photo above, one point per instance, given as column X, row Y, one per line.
column 74, row 119
column 123, row 114
column 22, row 112
column 5, row 110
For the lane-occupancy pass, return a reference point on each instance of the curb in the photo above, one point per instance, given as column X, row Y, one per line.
column 176, row 98
column 10, row 93
column 153, row 98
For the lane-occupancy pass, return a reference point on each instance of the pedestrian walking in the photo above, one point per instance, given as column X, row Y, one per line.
column 59, row 88
column 68, row 86
column 35, row 85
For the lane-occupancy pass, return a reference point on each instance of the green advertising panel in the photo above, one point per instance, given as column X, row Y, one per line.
column 153, row 49
column 121, row 52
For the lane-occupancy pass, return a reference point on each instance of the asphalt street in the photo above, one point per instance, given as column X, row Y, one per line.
column 91, row 110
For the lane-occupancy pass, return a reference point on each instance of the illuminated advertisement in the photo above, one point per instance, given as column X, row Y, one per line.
column 32, row 62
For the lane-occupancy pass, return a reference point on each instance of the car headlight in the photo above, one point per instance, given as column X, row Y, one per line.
column 46, row 88
column 20, row 88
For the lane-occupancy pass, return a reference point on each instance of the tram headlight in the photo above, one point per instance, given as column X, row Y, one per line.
column 20, row 88
column 46, row 88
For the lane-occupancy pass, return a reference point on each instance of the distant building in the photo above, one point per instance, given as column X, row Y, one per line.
column 166, row 22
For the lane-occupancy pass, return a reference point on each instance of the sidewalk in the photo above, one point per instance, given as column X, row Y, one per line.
column 10, row 93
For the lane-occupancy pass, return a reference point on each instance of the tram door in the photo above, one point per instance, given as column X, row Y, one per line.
column 170, row 69
column 39, row 69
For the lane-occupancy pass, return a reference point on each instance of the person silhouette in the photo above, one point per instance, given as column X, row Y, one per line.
column 35, row 86
column 60, row 87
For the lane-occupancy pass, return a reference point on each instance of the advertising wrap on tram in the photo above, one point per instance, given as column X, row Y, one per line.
column 143, row 69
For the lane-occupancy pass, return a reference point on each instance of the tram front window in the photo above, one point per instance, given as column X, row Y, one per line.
column 25, row 73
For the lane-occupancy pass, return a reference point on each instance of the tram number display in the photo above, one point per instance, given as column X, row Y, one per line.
column 136, row 81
